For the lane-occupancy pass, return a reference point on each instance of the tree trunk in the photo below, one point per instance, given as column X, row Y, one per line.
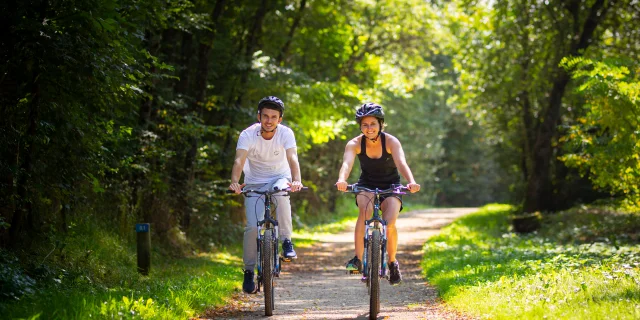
column 204, row 51
column 285, row 49
column 252, row 42
column 539, row 189
column 202, row 74
column 185, row 56
column 22, row 221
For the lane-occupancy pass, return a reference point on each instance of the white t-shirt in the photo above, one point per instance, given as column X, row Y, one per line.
column 266, row 159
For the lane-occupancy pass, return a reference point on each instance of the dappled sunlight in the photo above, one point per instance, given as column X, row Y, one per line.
column 532, row 274
column 222, row 257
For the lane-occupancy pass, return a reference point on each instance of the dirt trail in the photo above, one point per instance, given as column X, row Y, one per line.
column 316, row 286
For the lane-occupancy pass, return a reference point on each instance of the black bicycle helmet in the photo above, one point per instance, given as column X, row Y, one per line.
column 370, row 109
column 272, row 101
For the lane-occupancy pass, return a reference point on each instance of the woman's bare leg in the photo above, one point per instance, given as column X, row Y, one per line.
column 365, row 207
column 390, row 210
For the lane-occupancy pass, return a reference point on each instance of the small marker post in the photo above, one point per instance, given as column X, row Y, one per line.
column 144, row 247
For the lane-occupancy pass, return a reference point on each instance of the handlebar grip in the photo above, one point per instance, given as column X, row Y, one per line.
column 288, row 189
column 230, row 191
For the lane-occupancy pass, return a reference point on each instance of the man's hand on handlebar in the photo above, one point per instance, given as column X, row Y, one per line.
column 295, row 186
column 236, row 187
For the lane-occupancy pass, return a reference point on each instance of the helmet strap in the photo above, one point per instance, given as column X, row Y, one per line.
column 263, row 130
column 374, row 139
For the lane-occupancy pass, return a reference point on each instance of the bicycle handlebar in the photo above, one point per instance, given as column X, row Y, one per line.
column 400, row 189
column 275, row 190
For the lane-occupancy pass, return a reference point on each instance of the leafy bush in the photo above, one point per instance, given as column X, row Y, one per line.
column 605, row 143
column 13, row 282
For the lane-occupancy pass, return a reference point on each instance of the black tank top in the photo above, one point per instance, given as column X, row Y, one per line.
column 377, row 173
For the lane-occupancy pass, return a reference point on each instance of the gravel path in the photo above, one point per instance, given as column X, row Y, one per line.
column 316, row 285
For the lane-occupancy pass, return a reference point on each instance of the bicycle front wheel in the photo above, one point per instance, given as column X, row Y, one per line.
column 267, row 271
column 374, row 276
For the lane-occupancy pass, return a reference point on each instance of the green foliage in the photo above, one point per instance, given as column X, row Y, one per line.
column 13, row 283
column 117, row 112
column 96, row 277
column 506, row 54
column 579, row 266
column 605, row 143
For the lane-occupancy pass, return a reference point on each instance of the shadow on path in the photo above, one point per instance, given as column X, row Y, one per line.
column 316, row 285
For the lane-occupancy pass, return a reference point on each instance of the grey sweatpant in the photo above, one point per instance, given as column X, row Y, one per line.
column 254, row 207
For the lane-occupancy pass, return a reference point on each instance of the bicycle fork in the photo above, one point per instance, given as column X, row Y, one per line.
column 276, row 260
column 382, row 272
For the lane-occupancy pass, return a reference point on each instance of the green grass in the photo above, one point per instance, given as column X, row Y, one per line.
column 582, row 264
column 175, row 289
column 92, row 274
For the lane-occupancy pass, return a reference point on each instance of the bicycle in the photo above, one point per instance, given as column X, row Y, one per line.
column 375, row 245
column 269, row 263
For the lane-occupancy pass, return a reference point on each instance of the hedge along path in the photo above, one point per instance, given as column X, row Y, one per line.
column 316, row 285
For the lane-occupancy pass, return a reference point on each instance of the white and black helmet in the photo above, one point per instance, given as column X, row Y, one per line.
column 274, row 103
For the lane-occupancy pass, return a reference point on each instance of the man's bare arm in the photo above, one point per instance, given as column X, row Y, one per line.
column 294, row 165
column 236, row 171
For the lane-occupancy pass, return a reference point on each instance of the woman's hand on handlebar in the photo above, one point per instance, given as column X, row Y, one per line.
column 341, row 185
column 295, row 186
column 236, row 187
column 413, row 187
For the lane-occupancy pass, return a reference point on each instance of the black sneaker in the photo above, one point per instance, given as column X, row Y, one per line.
column 395, row 276
column 354, row 265
column 249, row 286
column 287, row 250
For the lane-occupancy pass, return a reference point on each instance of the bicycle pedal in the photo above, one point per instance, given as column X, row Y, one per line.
column 283, row 259
column 353, row 272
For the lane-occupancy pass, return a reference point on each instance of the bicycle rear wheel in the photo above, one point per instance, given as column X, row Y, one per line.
column 267, row 271
column 374, row 276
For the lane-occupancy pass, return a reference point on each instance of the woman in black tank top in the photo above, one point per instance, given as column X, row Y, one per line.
column 382, row 161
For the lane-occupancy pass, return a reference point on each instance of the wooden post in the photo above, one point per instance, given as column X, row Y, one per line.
column 144, row 248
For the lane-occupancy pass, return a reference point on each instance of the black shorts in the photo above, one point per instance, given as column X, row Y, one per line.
column 382, row 197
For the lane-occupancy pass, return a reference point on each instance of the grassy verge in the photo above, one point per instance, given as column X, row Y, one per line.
column 175, row 289
column 93, row 275
column 582, row 264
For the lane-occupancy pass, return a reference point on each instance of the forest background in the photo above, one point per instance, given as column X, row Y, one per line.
column 120, row 112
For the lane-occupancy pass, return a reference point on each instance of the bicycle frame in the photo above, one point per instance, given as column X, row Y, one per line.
column 269, row 261
column 268, row 223
column 375, row 223
column 375, row 244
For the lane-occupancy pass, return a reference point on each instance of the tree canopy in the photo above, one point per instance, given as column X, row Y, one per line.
column 117, row 112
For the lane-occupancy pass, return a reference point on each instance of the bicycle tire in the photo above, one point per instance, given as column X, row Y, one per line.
column 374, row 302
column 366, row 265
column 267, row 271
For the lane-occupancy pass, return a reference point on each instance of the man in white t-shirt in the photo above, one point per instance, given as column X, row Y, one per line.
column 267, row 154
